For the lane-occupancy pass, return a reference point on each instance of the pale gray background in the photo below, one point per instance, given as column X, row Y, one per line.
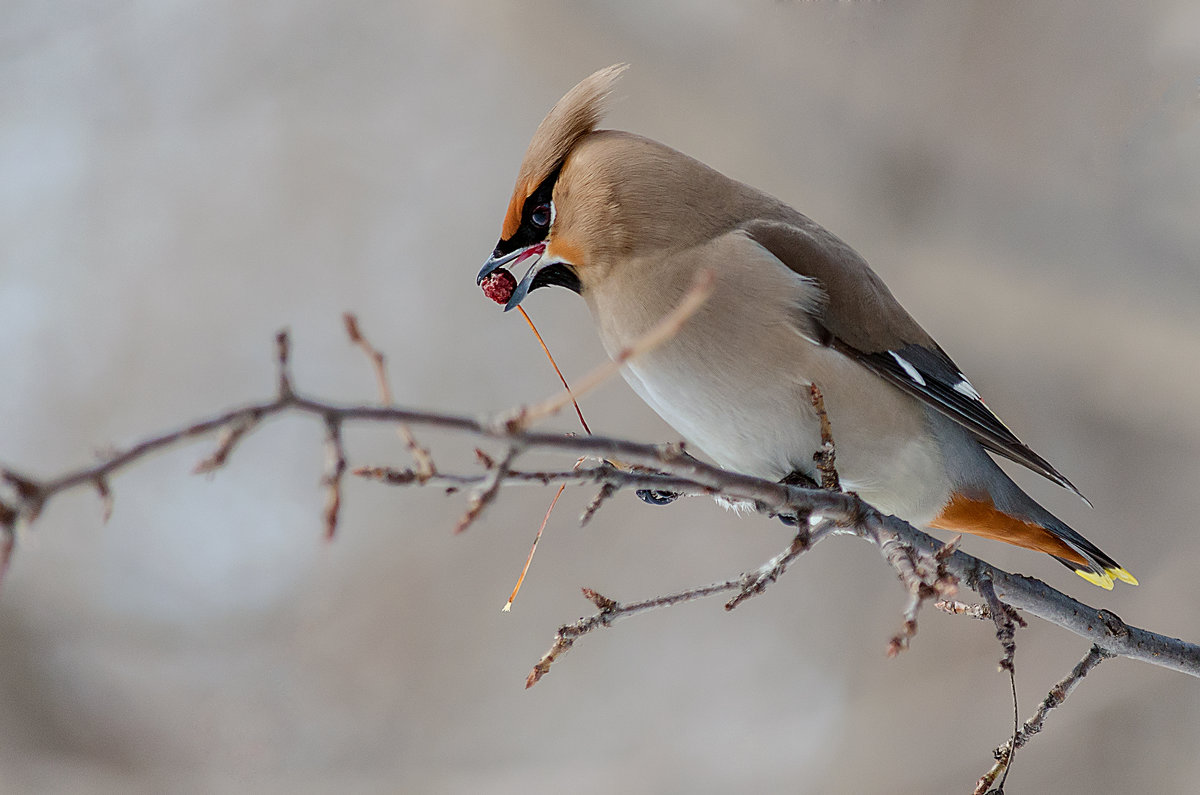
column 180, row 179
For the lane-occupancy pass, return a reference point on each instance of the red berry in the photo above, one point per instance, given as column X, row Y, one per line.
column 499, row 285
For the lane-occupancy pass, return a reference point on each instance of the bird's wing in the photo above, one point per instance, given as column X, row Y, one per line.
column 862, row 320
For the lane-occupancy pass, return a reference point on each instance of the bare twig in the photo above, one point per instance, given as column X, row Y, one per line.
column 606, row 491
column 335, row 468
column 1057, row 695
column 610, row 612
column 106, row 498
column 826, row 457
column 746, row 584
column 924, row 576
column 598, row 474
column 756, row 582
column 422, row 458
column 283, row 350
column 1005, row 620
column 228, row 439
column 482, row 497
column 956, row 608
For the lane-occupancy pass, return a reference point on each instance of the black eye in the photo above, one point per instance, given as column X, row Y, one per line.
column 540, row 217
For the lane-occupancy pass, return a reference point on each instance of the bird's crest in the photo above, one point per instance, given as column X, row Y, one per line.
column 571, row 118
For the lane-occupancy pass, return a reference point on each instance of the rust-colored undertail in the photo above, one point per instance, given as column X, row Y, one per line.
column 982, row 518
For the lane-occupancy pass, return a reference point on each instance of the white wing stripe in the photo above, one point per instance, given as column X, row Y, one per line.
column 908, row 369
column 964, row 387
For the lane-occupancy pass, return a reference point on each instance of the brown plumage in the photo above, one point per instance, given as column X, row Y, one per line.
column 627, row 222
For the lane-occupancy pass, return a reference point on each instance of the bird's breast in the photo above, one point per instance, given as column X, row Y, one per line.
column 734, row 382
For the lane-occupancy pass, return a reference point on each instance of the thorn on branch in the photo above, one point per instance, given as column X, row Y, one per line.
column 335, row 468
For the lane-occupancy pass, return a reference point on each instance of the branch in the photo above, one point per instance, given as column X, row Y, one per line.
column 610, row 611
column 24, row 497
column 1057, row 695
column 826, row 457
column 424, row 461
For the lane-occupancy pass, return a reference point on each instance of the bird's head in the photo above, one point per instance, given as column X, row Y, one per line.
column 557, row 215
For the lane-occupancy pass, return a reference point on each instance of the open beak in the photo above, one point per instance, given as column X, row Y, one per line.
column 516, row 258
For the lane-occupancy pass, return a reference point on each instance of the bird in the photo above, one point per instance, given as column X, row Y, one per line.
column 627, row 223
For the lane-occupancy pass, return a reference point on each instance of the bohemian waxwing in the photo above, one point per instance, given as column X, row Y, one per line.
column 627, row 223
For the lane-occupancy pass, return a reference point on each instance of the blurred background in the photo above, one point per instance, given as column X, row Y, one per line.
column 180, row 179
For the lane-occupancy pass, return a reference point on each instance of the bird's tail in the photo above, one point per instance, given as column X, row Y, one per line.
column 1024, row 523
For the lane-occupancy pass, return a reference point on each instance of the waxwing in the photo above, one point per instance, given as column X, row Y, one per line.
column 627, row 223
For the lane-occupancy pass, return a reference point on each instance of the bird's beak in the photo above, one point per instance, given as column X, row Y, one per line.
column 516, row 258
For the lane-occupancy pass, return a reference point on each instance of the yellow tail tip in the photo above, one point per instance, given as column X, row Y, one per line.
column 1102, row 580
column 1105, row 580
column 1122, row 575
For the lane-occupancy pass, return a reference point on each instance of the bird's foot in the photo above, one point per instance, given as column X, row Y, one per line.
column 657, row 496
